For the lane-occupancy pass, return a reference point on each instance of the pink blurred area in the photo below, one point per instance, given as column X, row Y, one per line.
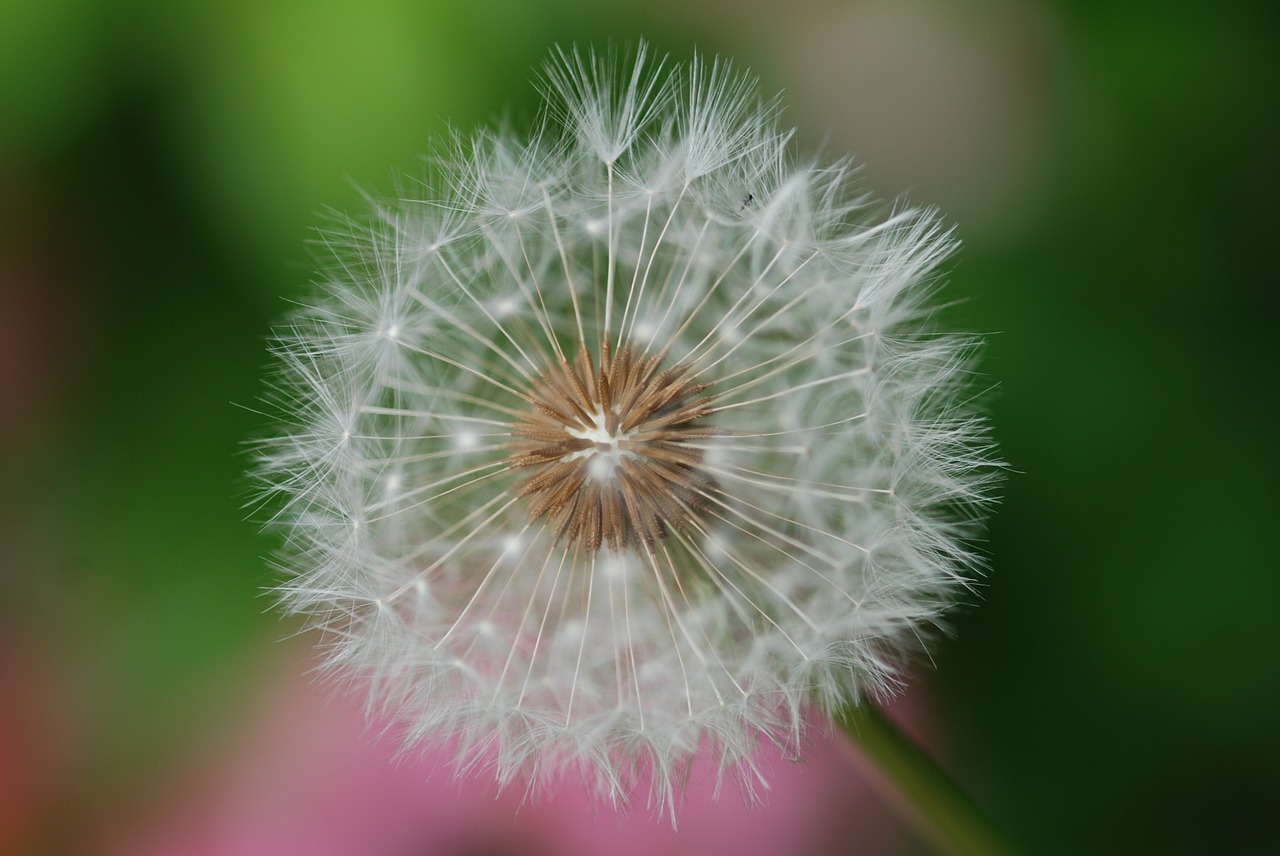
column 303, row 774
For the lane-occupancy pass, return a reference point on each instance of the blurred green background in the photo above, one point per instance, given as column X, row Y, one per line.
column 1111, row 168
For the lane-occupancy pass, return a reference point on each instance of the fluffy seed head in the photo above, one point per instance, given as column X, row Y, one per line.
column 625, row 438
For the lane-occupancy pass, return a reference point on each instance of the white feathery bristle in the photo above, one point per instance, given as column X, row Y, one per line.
column 626, row 439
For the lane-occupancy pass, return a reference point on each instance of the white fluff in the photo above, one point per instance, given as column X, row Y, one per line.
column 656, row 207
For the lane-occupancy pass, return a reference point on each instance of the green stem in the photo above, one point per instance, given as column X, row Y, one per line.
column 940, row 807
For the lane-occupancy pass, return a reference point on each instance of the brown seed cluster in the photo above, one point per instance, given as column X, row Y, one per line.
column 612, row 450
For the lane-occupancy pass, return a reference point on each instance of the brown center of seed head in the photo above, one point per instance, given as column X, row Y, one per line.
column 614, row 453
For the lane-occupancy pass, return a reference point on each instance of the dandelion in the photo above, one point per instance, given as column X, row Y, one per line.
column 626, row 438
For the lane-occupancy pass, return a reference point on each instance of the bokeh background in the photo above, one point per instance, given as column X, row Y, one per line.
column 1111, row 168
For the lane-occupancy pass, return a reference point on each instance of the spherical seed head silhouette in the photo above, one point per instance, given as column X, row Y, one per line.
column 626, row 437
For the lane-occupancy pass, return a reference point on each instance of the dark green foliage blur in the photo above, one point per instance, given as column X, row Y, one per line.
column 163, row 166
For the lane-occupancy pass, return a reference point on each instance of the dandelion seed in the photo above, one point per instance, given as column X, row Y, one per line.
column 626, row 438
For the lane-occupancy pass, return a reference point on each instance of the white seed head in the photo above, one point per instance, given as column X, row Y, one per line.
column 626, row 438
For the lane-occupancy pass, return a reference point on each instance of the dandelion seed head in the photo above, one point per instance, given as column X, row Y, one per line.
column 626, row 437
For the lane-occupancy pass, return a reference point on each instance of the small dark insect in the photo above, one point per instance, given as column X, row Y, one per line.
column 748, row 201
